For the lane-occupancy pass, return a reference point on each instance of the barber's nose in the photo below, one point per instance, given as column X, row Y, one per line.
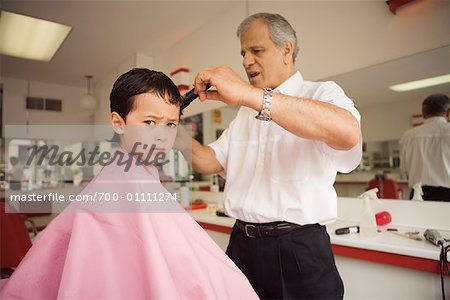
column 248, row 60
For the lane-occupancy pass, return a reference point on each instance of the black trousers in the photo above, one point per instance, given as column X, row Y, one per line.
column 434, row 193
column 296, row 265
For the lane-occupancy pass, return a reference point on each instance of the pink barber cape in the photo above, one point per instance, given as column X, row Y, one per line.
column 126, row 249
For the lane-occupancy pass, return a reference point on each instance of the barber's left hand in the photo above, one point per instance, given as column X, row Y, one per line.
column 230, row 87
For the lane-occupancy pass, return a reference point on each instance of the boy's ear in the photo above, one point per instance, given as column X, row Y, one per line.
column 117, row 122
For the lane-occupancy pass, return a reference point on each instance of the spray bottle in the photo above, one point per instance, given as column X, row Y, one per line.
column 215, row 186
column 417, row 192
column 184, row 196
column 368, row 224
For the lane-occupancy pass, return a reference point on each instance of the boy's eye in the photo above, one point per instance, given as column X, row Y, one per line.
column 150, row 122
column 172, row 125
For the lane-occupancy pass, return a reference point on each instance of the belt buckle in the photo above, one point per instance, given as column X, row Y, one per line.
column 246, row 230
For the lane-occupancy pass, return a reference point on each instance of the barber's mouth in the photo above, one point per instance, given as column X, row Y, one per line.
column 252, row 75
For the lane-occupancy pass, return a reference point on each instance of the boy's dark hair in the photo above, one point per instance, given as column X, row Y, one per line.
column 138, row 81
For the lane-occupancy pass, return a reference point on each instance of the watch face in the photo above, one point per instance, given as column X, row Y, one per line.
column 262, row 117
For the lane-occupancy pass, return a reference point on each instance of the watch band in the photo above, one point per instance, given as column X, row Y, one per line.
column 264, row 114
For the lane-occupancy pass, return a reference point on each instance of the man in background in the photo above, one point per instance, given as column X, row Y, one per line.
column 425, row 150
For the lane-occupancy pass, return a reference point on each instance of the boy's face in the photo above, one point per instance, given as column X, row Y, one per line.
column 153, row 121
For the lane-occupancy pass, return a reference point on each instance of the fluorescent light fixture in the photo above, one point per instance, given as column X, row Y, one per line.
column 27, row 37
column 420, row 84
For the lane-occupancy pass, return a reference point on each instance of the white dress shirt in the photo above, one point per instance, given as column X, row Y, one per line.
column 425, row 153
column 274, row 175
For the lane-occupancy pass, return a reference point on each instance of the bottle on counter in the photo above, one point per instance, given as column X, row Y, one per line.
column 368, row 223
column 215, row 185
column 184, row 196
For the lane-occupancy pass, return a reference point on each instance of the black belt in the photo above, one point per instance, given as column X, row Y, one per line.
column 253, row 230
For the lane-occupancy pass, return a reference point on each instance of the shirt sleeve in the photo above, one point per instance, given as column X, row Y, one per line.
column 345, row 161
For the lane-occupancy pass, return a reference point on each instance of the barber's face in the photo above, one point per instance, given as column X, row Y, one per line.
column 264, row 63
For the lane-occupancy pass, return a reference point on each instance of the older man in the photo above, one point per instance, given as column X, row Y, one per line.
column 280, row 156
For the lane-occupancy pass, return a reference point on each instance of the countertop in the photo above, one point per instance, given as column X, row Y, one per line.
column 385, row 241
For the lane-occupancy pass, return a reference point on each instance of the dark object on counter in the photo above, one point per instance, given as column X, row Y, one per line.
column 221, row 213
column 198, row 201
column 346, row 230
column 191, row 96
column 434, row 237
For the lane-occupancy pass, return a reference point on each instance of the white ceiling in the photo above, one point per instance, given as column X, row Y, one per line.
column 105, row 33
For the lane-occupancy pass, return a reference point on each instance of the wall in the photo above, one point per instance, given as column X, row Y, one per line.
column 15, row 92
column 209, row 127
column 335, row 36
column 381, row 122
column 104, row 85
column 213, row 44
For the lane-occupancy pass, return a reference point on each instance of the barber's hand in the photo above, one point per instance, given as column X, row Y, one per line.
column 230, row 88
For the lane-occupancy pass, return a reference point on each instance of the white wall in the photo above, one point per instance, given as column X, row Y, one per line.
column 213, row 44
column 15, row 92
column 104, row 85
column 209, row 127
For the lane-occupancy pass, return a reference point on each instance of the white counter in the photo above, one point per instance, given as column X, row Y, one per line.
column 387, row 266
column 385, row 241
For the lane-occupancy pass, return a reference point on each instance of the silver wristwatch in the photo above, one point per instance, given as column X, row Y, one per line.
column 264, row 114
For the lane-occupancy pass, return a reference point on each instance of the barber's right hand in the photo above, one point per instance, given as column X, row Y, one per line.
column 230, row 88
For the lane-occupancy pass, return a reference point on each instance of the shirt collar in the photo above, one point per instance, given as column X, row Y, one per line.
column 290, row 85
column 435, row 119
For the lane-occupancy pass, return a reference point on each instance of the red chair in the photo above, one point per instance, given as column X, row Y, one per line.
column 387, row 188
column 14, row 239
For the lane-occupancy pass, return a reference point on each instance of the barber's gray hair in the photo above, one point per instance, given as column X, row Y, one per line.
column 280, row 31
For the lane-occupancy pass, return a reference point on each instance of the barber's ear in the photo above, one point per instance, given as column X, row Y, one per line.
column 117, row 122
column 288, row 52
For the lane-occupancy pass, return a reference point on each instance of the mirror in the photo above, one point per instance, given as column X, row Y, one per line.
column 385, row 114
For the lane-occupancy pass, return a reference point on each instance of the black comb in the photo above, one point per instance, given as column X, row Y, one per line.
column 191, row 96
